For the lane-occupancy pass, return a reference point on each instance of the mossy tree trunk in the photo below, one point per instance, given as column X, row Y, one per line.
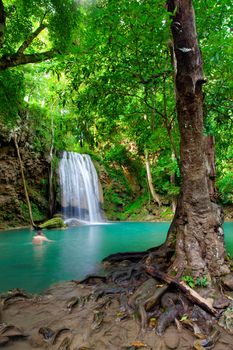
column 196, row 231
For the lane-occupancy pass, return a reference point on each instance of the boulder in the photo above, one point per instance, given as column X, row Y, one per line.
column 55, row 222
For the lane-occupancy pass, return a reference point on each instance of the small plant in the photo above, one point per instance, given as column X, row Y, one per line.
column 189, row 280
column 184, row 318
column 201, row 281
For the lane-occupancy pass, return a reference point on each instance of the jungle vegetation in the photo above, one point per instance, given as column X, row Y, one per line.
column 99, row 77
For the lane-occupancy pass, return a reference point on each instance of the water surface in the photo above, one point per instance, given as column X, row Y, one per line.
column 75, row 252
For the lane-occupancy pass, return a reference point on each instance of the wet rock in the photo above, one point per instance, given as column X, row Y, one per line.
column 172, row 338
column 228, row 281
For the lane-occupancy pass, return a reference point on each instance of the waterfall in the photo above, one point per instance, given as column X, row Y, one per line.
column 80, row 188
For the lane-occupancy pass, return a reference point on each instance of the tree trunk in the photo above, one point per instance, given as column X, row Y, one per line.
column 155, row 196
column 172, row 180
column 209, row 151
column 196, row 230
column 24, row 181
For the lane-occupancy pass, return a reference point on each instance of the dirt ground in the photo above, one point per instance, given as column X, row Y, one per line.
column 55, row 320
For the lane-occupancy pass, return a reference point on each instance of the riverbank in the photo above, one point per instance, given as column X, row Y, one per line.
column 69, row 316
column 107, row 313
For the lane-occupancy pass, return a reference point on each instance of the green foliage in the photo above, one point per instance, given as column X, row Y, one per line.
column 37, row 214
column 11, row 95
column 167, row 213
column 162, row 172
column 109, row 91
column 24, row 16
column 55, row 222
column 189, row 280
column 118, row 154
column 225, row 186
column 134, row 208
column 200, row 281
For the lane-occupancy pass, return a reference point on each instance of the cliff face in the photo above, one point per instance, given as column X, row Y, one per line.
column 13, row 207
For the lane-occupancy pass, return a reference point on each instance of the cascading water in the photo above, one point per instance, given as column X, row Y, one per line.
column 80, row 191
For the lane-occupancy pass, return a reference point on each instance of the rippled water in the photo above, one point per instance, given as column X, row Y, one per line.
column 75, row 252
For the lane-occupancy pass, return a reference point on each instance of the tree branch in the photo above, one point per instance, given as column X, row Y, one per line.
column 17, row 60
column 2, row 23
column 30, row 39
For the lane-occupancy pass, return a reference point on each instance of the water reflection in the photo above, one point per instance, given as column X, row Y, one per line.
column 39, row 251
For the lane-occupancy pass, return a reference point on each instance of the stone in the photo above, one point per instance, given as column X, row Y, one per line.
column 221, row 303
column 171, row 338
column 228, row 281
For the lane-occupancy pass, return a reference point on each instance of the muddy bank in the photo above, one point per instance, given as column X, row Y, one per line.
column 71, row 316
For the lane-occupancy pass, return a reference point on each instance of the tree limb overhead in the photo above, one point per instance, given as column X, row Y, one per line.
column 17, row 60
column 30, row 39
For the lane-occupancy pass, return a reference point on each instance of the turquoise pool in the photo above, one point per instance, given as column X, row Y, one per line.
column 75, row 252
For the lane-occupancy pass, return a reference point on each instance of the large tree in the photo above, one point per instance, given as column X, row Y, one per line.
column 34, row 31
column 196, row 230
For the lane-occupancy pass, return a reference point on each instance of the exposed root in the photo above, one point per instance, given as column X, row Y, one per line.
column 65, row 344
column 13, row 296
column 75, row 301
column 10, row 332
column 91, row 280
column 52, row 336
column 208, row 342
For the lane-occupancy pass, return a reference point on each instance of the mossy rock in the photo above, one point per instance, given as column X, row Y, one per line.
column 56, row 222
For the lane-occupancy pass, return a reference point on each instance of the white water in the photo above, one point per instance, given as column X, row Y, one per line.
column 80, row 196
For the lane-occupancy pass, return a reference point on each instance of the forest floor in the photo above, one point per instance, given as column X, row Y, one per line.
column 97, row 314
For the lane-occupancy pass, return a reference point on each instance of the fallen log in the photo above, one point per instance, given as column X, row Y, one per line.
column 191, row 294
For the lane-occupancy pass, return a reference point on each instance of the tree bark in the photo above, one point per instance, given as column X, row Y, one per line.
column 196, row 230
column 155, row 196
column 30, row 39
column 209, row 151
column 24, row 181
column 172, row 180
column 20, row 59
